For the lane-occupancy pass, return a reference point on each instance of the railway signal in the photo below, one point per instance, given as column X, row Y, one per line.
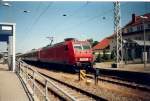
column 96, row 76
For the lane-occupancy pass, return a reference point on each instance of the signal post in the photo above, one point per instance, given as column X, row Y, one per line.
column 82, row 74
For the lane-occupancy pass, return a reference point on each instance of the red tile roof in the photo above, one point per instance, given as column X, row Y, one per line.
column 139, row 20
column 102, row 44
column 135, row 21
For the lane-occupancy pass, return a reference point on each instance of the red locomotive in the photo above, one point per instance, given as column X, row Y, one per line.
column 70, row 52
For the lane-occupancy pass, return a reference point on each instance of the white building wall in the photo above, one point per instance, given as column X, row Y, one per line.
column 135, row 37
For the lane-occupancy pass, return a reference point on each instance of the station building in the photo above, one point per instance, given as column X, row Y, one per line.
column 133, row 39
column 103, row 48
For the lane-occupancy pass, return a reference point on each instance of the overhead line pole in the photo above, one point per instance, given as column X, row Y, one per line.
column 118, row 34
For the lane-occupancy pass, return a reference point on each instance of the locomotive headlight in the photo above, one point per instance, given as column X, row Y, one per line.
column 83, row 59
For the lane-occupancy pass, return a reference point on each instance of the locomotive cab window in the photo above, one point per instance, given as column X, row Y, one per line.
column 77, row 46
column 86, row 46
column 66, row 47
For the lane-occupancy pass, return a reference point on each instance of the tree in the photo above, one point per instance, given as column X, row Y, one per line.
column 94, row 43
column 105, row 57
column 112, row 55
column 98, row 58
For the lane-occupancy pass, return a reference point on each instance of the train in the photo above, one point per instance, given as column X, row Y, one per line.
column 70, row 52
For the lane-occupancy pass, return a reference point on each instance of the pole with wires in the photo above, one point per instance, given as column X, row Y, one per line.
column 51, row 40
column 118, row 34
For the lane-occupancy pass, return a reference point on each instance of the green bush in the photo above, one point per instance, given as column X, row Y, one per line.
column 112, row 55
column 98, row 58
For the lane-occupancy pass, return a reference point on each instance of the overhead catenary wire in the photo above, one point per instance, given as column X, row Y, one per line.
column 29, row 29
column 77, row 25
column 89, row 19
column 100, row 15
column 36, row 10
column 42, row 13
column 37, row 19
column 75, row 12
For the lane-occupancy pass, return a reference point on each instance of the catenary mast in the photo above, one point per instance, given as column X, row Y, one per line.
column 118, row 34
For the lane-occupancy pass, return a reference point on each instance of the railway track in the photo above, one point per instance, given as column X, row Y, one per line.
column 121, row 82
column 91, row 78
column 48, row 85
column 76, row 93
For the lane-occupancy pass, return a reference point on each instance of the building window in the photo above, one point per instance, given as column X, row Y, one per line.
column 140, row 27
column 138, row 38
column 124, row 30
column 127, row 30
column 130, row 29
column 149, row 38
column 148, row 26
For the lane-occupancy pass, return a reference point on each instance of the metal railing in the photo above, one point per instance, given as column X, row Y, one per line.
column 29, row 75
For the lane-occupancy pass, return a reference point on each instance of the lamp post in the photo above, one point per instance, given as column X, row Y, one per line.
column 144, row 53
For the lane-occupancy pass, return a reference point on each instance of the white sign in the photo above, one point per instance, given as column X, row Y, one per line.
column 144, row 56
column 6, row 28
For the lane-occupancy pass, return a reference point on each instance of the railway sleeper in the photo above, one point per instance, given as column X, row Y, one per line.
column 74, row 93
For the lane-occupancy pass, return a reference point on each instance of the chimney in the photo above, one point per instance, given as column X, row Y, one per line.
column 133, row 18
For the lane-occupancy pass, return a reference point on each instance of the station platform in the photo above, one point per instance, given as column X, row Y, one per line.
column 129, row 72
column 11, row 88
column 126, row 67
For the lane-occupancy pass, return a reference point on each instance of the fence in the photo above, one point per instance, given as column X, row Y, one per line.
column 29, row 76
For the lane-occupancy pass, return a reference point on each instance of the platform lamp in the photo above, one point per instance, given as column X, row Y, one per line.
column 6, row 4
column 144, row 52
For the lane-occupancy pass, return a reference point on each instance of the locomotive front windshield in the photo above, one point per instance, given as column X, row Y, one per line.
column 82, row 46
column 78, row 46
column 86, row 46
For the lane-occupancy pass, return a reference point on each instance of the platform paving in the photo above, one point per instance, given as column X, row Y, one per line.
column 11, row 88
column 126, row 67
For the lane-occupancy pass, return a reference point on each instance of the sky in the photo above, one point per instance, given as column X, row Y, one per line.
column 83, row 20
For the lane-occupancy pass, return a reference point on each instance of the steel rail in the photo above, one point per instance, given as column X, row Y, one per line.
column 121, row 82
column 78, row 89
